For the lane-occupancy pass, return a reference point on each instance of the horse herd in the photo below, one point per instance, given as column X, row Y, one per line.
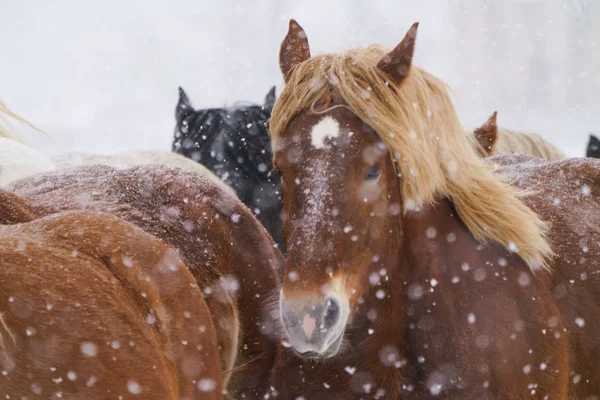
column 347, row 240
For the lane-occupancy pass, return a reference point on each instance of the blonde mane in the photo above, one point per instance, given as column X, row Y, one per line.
column 6, row 128
column 418, row 123
column 515, row 142
column 510, row 141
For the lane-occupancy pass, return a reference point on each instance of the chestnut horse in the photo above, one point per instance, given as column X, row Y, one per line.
column 94, row 307
column 489, row 140
column 414, row 271
column 229, row 253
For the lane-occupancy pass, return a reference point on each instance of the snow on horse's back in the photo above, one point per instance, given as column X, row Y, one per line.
column 133, row 158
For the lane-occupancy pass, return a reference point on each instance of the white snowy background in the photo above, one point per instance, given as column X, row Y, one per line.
column 103, row 76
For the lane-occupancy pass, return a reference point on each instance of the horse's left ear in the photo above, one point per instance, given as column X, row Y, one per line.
column 294, row 49
column 269, row 101
column 487, row 134
column 184, row 107
column 397, row 62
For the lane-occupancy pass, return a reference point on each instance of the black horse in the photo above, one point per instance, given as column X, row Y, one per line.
column 234, row 143
column 593, row 147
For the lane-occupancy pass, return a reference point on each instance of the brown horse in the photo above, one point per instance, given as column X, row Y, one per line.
column 489, row 140
column 93, row 307
column 227, row 250
column 414, row 271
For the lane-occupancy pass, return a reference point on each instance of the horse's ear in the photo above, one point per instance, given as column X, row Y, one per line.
column 487, row 134
column 269, row 101
column 397, row 62
column 184, row 107
column 294, row 49
column 593, row 147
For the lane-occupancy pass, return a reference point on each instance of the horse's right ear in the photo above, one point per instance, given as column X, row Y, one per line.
column 184, row 107
column 487, row 134
column 593, row 147
column 269, row 101
column 294, row 49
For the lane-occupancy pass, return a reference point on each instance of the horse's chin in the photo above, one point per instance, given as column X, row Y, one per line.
column 331, row 351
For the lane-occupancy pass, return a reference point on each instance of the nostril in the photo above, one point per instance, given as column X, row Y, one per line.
column 332, row 312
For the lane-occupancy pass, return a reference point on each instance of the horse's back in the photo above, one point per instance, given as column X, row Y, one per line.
column 18, row 161
column 94, row 307
column 130, row 159
column 566, row 195
column 154, row 197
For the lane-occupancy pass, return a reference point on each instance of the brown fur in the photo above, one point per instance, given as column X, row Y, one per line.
column 486, row 136
column 15, row 209
column 295, row 47
column 434, row 312
column 216, row 235
column 86, row 280
column 566, row 195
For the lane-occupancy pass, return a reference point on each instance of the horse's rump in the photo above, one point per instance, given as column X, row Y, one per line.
column 92, row 305
column 227, row 250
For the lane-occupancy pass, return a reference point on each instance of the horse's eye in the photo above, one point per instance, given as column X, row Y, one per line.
column 373, row 173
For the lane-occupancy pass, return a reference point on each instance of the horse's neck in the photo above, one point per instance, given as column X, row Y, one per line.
column 430, row 238
column 376, row 339
column 449, row 277
column 434, row 244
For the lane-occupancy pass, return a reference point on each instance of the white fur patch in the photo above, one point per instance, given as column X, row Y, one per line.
column 325, row 128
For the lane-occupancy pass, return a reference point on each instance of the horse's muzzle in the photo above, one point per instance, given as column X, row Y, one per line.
column 314, row 328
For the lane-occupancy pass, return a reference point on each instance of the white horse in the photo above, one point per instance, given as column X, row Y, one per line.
column 18, row 160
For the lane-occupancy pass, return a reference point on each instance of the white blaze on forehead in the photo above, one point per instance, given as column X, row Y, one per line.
column 325, row 128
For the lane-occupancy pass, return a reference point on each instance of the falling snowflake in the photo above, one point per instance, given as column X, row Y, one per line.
column 89, row 349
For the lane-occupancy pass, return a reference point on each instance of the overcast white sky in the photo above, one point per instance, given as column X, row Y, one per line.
column 103, row 76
